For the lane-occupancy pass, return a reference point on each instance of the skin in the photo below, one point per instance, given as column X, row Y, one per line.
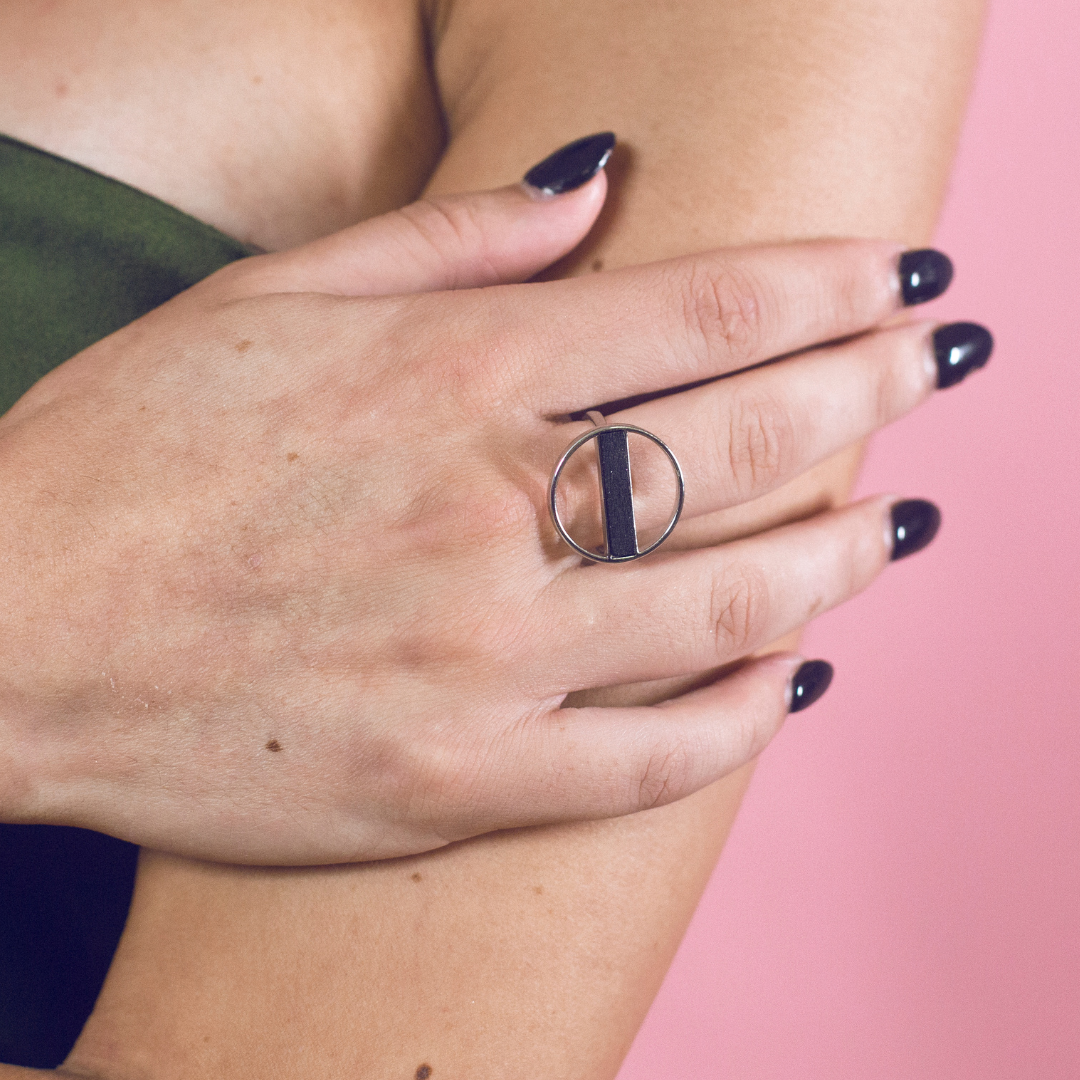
column 541, row 948
column 275, row 542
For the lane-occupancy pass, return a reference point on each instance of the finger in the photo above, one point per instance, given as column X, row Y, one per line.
column 696, row 610
column 578, row 764
column 643, row 329
column 740, row 438
column 455, row 242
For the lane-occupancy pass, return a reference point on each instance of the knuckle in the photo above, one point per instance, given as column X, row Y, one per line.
column 663, row 778
column 478, row 518
column 724, row 310
column 760, row 444
column 447, row 230
column 437, row 793
column 738, row 608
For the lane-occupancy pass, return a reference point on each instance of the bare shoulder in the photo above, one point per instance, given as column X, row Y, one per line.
column 274, row 121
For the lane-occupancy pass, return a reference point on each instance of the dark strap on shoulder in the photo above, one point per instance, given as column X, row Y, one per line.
column 82, row 255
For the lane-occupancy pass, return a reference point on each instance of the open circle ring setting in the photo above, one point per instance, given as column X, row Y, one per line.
column 616, row 491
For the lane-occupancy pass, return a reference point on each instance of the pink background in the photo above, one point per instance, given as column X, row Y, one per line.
column 901, row 895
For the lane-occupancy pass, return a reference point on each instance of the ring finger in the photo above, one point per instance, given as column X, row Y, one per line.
column 691, row 611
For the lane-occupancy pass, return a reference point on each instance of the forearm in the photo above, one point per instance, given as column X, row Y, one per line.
column 742, row 122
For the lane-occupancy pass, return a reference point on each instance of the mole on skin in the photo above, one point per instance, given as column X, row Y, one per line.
column 291, row 456
column 416, row 877
column 273, row 746
column 243, row 346
column 423, row 1072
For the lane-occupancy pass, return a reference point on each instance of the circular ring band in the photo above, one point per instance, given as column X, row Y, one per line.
column 616, row 493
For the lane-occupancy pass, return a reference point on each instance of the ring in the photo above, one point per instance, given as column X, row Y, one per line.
column 616, row 491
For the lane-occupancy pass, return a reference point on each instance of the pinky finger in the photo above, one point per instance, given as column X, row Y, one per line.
column 588, row 763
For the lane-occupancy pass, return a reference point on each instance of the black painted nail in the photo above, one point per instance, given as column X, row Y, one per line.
column 809, row 683
column 915, row 523
column 924, row 275
column 959, row 349
column 575, row 164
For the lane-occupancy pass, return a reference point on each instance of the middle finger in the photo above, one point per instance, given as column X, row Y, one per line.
column 740, row 438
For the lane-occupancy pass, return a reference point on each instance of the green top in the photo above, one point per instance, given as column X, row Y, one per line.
column 80, row 256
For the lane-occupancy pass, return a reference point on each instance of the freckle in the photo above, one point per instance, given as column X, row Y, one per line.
column 256, row 79
column 62, row 89
column 417, row 877
column 423, row 1072
column 273, row 746
column 291, row 457
column 243, row 346
column 538, row 889
column 142, row 408
column 598, row 264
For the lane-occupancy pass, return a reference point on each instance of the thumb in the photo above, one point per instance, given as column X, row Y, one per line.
column 451, row 242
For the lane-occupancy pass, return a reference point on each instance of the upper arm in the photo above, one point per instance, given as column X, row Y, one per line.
column 738, row 122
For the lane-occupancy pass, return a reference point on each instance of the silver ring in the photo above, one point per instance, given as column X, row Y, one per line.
column 616, row 491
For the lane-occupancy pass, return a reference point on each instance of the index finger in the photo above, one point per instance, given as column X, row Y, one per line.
column 647, row 328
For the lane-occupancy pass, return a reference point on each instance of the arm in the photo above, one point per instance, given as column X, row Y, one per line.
column 542, row 949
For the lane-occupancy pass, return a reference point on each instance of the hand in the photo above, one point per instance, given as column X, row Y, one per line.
column 279, row 581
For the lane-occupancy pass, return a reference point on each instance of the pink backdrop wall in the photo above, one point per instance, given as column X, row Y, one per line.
column 901, row 896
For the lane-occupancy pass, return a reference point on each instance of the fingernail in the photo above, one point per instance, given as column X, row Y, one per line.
column 960, row 348
column 924, row 275
column 809, row 683
column 575, row 164
column 915, row 523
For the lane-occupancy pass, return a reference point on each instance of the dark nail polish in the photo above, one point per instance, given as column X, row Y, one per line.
column 924, row 275
column 810, row 682
column 959, row 349
column 915, row 523
column 575, row 164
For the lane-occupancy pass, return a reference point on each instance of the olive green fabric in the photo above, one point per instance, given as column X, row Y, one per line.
column 80, row 256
